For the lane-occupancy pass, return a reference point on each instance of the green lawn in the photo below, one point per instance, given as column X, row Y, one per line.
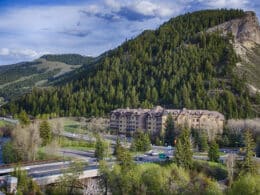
column 76, row 144
column 206, row 154
column 72, row 126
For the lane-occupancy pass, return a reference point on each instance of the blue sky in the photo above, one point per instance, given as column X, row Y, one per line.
column 31, row 28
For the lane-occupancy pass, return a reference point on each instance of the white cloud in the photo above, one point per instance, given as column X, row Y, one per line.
column 66, row 29
column 88, row 28
column 18, row 52
column 149, row 8
column 4, row 52
column 145, row 7
column 116, row 5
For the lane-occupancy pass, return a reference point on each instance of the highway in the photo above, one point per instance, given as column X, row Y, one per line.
column 83, row 155
column 49, row 172
column 55, row 170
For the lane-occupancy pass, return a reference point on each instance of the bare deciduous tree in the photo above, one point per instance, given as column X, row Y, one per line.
column 26, row 141
column 58, row 127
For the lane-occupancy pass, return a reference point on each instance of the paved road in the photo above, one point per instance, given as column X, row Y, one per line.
column 78, row 136
column 55, row 170
column 9, row 120
column 87, row 156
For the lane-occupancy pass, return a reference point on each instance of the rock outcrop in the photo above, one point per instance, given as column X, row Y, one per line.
column 245, row 30
column 246, row 42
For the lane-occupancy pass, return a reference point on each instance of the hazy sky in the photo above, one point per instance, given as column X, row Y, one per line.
column 31, row 28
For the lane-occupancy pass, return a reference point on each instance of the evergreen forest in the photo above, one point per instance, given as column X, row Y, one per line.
column 177, row 65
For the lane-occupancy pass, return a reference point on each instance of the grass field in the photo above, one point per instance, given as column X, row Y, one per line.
column 76, row 144
column 206, row 154
column 84, row 125
column 72, row 126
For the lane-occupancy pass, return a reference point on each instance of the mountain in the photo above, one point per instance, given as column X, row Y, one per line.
column 190, row 61
column 18, row 79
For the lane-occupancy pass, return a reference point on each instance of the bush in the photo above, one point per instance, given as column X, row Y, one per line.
column 214, row 170
column 10, row 154
column 246, row 184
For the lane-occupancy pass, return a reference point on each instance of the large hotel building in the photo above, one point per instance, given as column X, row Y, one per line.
column 153, row 120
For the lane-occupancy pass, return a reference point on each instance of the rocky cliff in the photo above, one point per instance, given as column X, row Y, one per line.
column 246, row 31
column 246, row 42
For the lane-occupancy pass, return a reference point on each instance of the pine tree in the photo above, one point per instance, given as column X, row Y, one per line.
column 183, row 151
column 100, row 149
column 248, row 165
column 169, row 131
column 118, row 146
column 45, row 132
column 213, row 152
column 141, row 141
column 203, row 142
column 124, row 158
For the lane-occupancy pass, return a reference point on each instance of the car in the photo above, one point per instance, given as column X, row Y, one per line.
column 154, row 153
column 139, row 158
column 164, row 156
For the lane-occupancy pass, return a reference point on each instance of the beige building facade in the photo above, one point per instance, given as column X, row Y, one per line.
column 154, row 120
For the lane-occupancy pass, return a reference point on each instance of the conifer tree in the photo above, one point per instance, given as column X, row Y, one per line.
column 169, row 131
column 248, row 164
column 118, row 146
column 100, row 149
column 203, row 142
column 141, row 141
column 213, row 152
column 124, row 158
column 45, row 132
column 183, row 151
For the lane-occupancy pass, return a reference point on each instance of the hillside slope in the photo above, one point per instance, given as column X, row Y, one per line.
column 246, row 42
column 178, row 65
column 18, row 79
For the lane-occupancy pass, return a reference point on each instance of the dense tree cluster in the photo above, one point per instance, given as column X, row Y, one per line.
column 178, row 65
column 156, row 179
column 25, row 185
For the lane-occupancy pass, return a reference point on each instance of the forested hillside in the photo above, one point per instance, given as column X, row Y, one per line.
column 178, row 65
column 18, row 79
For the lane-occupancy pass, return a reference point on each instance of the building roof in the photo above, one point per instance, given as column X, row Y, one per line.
column 158, row 111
